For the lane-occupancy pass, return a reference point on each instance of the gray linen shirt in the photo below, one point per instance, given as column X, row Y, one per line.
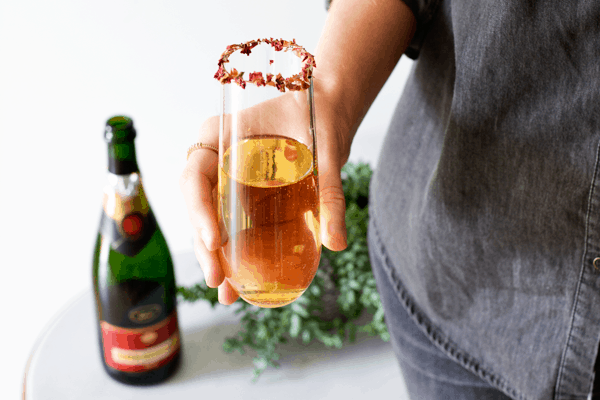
column 487, row 192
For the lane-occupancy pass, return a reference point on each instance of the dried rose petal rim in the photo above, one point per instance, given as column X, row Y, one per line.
column 299, row 81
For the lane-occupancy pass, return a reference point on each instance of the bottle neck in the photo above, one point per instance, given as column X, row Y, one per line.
column 121, row 158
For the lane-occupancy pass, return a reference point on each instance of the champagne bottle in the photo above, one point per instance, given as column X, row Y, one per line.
column 134, row 283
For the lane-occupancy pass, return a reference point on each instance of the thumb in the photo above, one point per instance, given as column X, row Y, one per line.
column 333, row 210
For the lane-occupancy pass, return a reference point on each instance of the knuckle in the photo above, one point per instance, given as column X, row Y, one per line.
column 332, row 194
column 209, row 128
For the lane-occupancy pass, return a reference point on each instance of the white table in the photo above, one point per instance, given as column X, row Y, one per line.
column 65, row 364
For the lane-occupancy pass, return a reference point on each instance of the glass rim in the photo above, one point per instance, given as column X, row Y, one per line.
column 296, row 82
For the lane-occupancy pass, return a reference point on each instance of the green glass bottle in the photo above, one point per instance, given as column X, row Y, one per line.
column 134, row 282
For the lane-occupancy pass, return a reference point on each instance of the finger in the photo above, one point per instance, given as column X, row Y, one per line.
column 209, row 262
column 333, row 210
column 197, row 181
column 227, row 294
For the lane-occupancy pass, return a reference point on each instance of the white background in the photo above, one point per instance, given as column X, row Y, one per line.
column 67, row 66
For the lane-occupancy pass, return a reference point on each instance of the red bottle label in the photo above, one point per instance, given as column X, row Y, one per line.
column 143, row 349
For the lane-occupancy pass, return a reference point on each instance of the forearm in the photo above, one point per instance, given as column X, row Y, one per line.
column 360, row 45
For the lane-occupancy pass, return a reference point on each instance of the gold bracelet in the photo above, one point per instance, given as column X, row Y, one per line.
column 199, row 145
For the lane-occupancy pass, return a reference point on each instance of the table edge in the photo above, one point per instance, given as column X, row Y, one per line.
column 53, row 321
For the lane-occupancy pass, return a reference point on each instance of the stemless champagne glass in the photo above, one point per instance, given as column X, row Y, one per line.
column 268, row 180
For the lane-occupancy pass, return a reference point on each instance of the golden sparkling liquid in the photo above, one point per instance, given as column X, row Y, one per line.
column 269, row 209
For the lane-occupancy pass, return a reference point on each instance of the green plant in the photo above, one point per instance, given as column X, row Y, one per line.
column 343, row 289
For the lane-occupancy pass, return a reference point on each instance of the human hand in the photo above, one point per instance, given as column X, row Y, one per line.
column 199, row 181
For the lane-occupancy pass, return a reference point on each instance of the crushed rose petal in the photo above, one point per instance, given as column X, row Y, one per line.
column 256, row 78
column 299, row 81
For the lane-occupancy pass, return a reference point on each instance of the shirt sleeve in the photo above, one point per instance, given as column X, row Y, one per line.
column 423, row 11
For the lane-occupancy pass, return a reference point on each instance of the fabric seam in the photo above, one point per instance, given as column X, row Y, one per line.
column 433, row 333
column 561, row 367
column 437, row 378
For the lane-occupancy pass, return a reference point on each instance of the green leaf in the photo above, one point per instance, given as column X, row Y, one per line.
column 351, row 331
column 262, row 332
column 198, row 292
column 315, row 290
column 337, row 341
column 349, row 298
column 295, row 326
column 327, row 341
column 230, row 345
column 306, row 336
column 260, row 362
column 354, row 284
column 378, row 315
column 298, row 309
